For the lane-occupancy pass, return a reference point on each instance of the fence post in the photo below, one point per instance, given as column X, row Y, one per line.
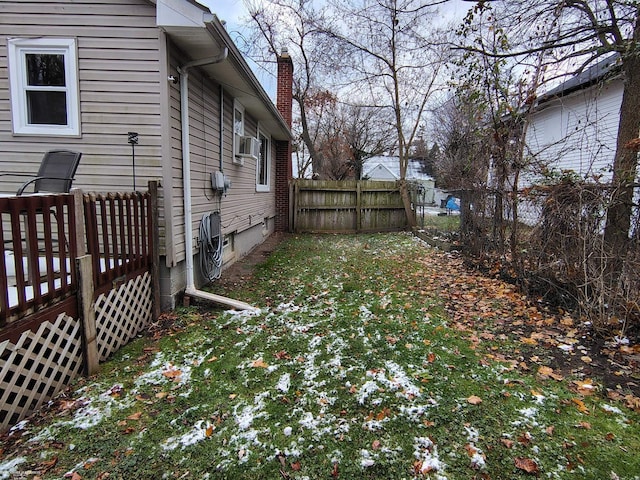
column 358, row 206
column 80, row 232
column 88, row 313
column 155, row 250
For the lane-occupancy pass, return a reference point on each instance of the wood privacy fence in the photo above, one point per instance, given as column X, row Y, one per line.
column 79, row 280
column 349, row 206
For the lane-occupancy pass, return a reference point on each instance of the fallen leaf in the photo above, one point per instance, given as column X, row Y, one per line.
column 208, row 431
column 474, row 400
column 581, row 406
column 525, row 438
column 545, row 371
column 282, row 355
column 507, row 443
column 172, row 373
column 376, row 445
column 44, row 467
column 431, row 357
column 585, row 387
column 526, row 464
column 135, row 416
column 259, row 364
column 143, row 397
column 296, row 466
column 632, row 402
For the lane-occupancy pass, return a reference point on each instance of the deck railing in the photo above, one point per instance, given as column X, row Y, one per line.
column 78, row 280
column 118, row 236
column 38, row 247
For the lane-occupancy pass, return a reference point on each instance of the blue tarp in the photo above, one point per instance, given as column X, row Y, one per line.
column 453, row 203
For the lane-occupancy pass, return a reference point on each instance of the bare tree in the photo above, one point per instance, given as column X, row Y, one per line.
column 291, row 24
column 390, row 50
column 583, row 32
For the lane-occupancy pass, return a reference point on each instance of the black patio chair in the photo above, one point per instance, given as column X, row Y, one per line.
column 56, row 173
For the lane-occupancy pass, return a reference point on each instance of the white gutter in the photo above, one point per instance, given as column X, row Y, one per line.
column 186, row 183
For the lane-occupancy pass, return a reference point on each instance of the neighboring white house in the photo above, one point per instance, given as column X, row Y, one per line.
column 575, row 125
column 574, row 128
column 388, row 168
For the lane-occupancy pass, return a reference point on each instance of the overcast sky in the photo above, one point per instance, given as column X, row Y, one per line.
column 234, row 12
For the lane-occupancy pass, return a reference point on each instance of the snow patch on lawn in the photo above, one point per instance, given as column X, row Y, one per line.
column 199, row 432
column 92, row 412
column 284, row 383
column 426, row 452
column 9, row 468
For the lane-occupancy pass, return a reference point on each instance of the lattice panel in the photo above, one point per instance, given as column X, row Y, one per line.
column 121, row 313
column 37, row 367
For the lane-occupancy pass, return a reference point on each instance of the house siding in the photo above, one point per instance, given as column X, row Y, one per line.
column 578, row 132
column 243, row 209
column 124, row 60
column 118, row 68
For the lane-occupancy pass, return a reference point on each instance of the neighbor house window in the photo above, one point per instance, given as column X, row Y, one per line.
column 44, row 86
column 264, row 160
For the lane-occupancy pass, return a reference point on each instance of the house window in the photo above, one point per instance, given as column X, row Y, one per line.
column 238, row 131
column 238, row 118
column 264, row 160
column 44, row 86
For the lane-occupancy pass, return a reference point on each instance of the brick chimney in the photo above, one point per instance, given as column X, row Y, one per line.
column 284, row 172
column 285, row 85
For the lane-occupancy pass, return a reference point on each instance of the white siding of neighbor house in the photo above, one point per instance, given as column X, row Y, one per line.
column 578, row 132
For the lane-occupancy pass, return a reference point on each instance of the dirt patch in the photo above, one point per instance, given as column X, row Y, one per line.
column 242, row 270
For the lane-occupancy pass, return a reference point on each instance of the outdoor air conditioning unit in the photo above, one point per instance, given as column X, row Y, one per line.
column 246, row 147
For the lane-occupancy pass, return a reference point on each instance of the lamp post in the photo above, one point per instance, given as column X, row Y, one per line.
column 133, row 140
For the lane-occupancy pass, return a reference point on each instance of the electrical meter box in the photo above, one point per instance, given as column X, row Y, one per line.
column 220, row 183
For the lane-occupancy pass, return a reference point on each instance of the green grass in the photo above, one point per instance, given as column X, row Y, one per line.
column 445, row 223
column 350, row 370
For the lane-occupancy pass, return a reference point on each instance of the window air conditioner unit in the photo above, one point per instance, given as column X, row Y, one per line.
column 247, row 146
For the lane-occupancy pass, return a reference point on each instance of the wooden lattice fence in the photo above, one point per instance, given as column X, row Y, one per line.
column 77, row 288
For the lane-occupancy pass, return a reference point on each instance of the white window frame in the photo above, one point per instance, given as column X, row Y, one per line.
column 18, row 48
column 238, row 129
column 264, row 187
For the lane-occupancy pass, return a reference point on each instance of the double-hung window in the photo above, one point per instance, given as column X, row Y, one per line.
column 264, row 160
column 43, row 76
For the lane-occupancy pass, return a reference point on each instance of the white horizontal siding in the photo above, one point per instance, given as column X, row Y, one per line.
column 578, row 132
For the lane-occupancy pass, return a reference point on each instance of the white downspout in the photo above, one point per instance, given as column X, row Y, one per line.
column 186, row 184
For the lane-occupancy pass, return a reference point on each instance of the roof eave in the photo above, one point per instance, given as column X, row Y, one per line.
column 201, row 34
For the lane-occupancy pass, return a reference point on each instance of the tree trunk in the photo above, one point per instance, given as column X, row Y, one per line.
column 316, row 161
column 406, row 202
column 619, row 213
